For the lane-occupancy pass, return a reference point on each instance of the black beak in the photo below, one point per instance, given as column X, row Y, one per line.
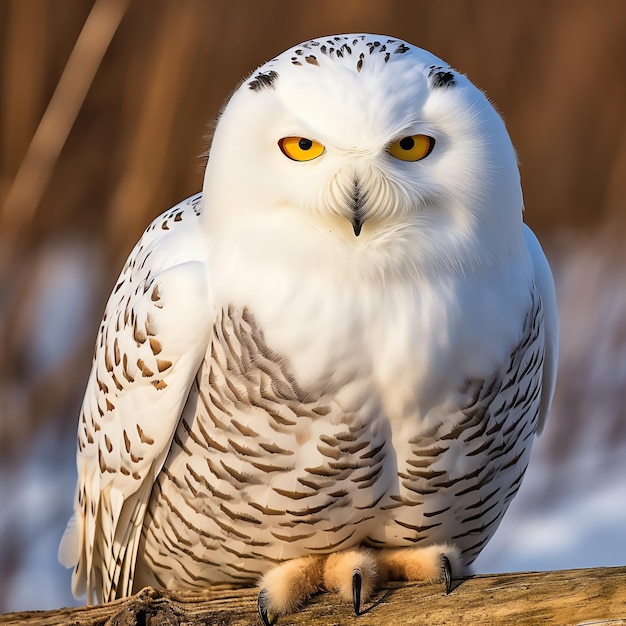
column 358, row 213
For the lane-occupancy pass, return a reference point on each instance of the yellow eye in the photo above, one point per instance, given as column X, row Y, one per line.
column 412, row 148
column 300, row 148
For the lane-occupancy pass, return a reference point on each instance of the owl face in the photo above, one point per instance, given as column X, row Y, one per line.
column 376, row 148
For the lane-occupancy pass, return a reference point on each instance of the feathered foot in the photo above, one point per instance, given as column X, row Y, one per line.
column 287, row 586
column 438, row 562
column 353, row 574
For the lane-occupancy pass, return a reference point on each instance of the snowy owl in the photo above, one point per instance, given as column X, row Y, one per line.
column 325, row 371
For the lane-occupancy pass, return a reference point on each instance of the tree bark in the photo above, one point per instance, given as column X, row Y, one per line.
column 589, row 596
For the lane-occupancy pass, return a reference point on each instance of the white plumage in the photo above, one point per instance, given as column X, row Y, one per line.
column 348, row 339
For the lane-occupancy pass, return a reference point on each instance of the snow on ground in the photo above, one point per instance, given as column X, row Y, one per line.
column 37, row 498
column 37, row 483
column 579, row 522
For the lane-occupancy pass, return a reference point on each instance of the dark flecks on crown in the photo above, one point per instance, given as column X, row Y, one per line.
column 263, row 81
column 441, row 77
column 345, row 49
column 340, row 47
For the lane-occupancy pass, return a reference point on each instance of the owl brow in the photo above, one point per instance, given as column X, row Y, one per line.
column 441, row 77
column 263, row 81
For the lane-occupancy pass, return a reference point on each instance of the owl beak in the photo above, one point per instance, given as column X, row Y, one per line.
column 357, row 199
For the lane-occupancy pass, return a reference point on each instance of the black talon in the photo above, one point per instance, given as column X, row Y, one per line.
column 447, row 574
column 261, row 603
column 356, row 592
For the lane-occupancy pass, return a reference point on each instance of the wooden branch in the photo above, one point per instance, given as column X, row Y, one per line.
column 590, row 596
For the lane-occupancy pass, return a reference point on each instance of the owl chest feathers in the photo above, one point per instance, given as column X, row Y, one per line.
column 339, row 440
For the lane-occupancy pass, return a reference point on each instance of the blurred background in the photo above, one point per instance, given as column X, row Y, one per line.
column 104, row 111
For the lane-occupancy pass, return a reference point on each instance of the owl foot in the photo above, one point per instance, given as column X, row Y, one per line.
column 353, row 574
column 429, row 564
column 287, row 586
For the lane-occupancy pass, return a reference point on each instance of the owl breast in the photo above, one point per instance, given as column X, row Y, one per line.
column 261, row 470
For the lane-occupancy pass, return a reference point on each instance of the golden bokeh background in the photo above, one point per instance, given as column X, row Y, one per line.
column 104, row 110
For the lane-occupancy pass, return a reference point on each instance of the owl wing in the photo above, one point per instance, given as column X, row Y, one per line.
column 151, row 341
column 545, row 284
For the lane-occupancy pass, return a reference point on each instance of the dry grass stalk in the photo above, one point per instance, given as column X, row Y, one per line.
column 172, row 47
column 43, row 152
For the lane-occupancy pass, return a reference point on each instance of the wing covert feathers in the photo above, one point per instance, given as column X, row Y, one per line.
column 151, row 341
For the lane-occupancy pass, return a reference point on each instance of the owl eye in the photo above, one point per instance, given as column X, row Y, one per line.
column 300, row 148
column 412, row 148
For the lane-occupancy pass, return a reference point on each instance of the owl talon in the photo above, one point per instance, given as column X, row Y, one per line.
column 447, row 573
column 261, row 603
column 356, row 592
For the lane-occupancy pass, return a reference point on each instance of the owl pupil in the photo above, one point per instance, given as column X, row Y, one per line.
column 305, row 144
column 407, row 143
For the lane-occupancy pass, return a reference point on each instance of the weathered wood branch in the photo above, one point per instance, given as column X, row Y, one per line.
column 590, row 596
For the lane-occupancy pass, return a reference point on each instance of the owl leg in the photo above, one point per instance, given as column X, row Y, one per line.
column 353, row 574
column 286, row 587
column 429, row 564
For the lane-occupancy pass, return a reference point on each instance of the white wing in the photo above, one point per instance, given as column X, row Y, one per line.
column 152, row 339
column 545, row 283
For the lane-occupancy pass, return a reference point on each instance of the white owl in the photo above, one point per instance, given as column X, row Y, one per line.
column 328, row 369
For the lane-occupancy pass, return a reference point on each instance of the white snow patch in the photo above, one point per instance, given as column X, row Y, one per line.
column 578, row 523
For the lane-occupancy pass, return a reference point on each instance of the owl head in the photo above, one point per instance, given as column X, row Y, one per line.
column 366, row 153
